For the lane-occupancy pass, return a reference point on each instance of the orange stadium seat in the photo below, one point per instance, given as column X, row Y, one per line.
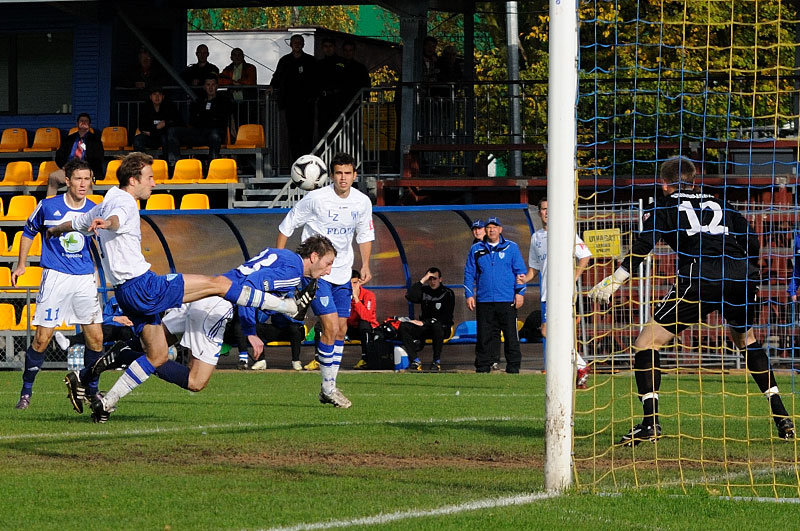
column 45, row 169
column 5, row 276
column 187, row 171
column 160, row 202
column 222, row 171
column 3, row 243
column 160, row 171
column 114, row 138
column 7, row 318
column 20, row 208
column 95, row 198
column 195, row 202
column 45, row 139
column 111, row 173
column 14, row 139
column 249, row 136
column 22, row 324
column 17, row 173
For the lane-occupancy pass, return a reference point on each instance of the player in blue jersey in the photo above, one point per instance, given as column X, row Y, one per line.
column 68, row 292
column 141, row 294
column 200, row 325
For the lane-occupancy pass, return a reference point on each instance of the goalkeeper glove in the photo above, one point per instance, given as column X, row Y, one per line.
column 606, row 287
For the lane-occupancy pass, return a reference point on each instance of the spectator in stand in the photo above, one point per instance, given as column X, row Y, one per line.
column 239, row 72
column 295, row 79
column 208, row 123
column 363, row 318
column 449, row 71
column 490, row 285
column 83, row 145
column 355, row 76
column 196, row 74
column 478, row 230
column 435, row 322
column 155, row 120
column 430, row 60
column 330, row 69
column 146, row 73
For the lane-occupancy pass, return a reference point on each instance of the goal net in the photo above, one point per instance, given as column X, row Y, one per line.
column 717, row 82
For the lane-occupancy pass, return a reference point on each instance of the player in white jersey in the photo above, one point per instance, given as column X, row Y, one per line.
column 537, row 264
column 68, row 292
column 338, row 212
column 141, row 294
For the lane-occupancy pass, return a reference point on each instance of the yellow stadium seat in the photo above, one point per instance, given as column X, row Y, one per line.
column 7, row 319
column 187, row 171
column 111, row 173
column 114, row 138
column 95, row 198
column 160, row 171
column 45, row 139
column 36, row 246
column 45, row 169
column 5, row 276
column 17, row 173
column 249, row 136
column 22, row 324
column 14, row 139
column 160, row 202
column 222, row 171
column 20, row 208
column 31, row 278
column 3, row 243
column 35, row 250
column 195, row 202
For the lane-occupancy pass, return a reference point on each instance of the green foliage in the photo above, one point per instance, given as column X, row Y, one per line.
column 339, row 18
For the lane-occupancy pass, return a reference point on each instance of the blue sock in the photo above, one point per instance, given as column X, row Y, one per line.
column 89, row 357
column 33, row 364
column 175, row 373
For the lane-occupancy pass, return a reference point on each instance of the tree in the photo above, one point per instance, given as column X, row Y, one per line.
column 339, row 18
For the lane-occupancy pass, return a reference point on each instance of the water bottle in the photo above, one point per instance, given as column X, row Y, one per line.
column 75, row 357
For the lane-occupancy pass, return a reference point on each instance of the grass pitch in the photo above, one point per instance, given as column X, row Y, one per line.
column 424, row 451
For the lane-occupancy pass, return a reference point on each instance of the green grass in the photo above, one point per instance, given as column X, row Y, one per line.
column 257, row 450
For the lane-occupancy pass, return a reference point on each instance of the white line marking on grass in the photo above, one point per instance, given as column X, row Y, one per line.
column 177, row 429
column 760, row 499
column 490, row 503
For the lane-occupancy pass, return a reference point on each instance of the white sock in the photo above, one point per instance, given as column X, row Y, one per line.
column 325, row 354
column 338, row 349
column 580, row 362
column 136, row 373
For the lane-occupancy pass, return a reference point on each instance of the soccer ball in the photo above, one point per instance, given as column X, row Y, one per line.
column 309, row 172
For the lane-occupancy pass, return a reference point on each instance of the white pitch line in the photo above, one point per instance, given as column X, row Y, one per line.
column 178, row 429
column 490, row 503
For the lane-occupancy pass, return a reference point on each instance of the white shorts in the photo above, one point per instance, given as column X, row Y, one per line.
column 201, row 325
column 71, row 299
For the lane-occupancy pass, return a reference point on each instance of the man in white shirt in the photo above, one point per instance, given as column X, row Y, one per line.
column 338, row 212
column 141, row 294
column 537, row 264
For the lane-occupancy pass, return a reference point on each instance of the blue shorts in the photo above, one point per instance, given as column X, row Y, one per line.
column 544, row 312
column 144, row 298
column 332, row 298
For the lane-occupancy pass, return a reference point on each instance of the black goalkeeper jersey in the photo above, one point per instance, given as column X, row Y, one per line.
column 701, row 229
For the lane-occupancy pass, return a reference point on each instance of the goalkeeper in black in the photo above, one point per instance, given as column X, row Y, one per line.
column 717, row 253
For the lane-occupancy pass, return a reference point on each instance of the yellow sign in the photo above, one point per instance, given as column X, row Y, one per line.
column 604, row 243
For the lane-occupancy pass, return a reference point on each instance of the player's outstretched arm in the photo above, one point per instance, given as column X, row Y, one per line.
column 604, row 289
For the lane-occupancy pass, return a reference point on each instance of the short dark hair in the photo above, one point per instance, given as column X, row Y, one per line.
column 315, row 244
column 83, row 115
column 211, row 75
column 429, row 38
column 343, row 159
column 131, row 166
column 678, row 169
column 435, row 270
column 76, row 164
column 540, row 201
column 355, row 274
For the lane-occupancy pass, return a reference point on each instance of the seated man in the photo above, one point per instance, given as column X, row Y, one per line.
column 362, row 318
column 156, row 117
column 83, row 144
column 437, row 302
column 209, row 118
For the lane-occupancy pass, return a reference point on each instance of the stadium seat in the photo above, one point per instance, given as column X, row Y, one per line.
column 45, row 169
column 160, row 171
column 31, row 278
column 19, row 208
column 222, row 171
column 195, row 202
column 14, row 139
column 5, row 276
column 22, row 324
column 466, row 332
column 111, row 173
column 45, row 139
column 249, row 136
column 95, row 198
column 7, row 318
column 115, row 138
column 160, row 202
column 17, row 173
column 35, row 250
column 187, row 171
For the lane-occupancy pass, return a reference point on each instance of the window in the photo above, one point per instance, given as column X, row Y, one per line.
column 36, row 72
